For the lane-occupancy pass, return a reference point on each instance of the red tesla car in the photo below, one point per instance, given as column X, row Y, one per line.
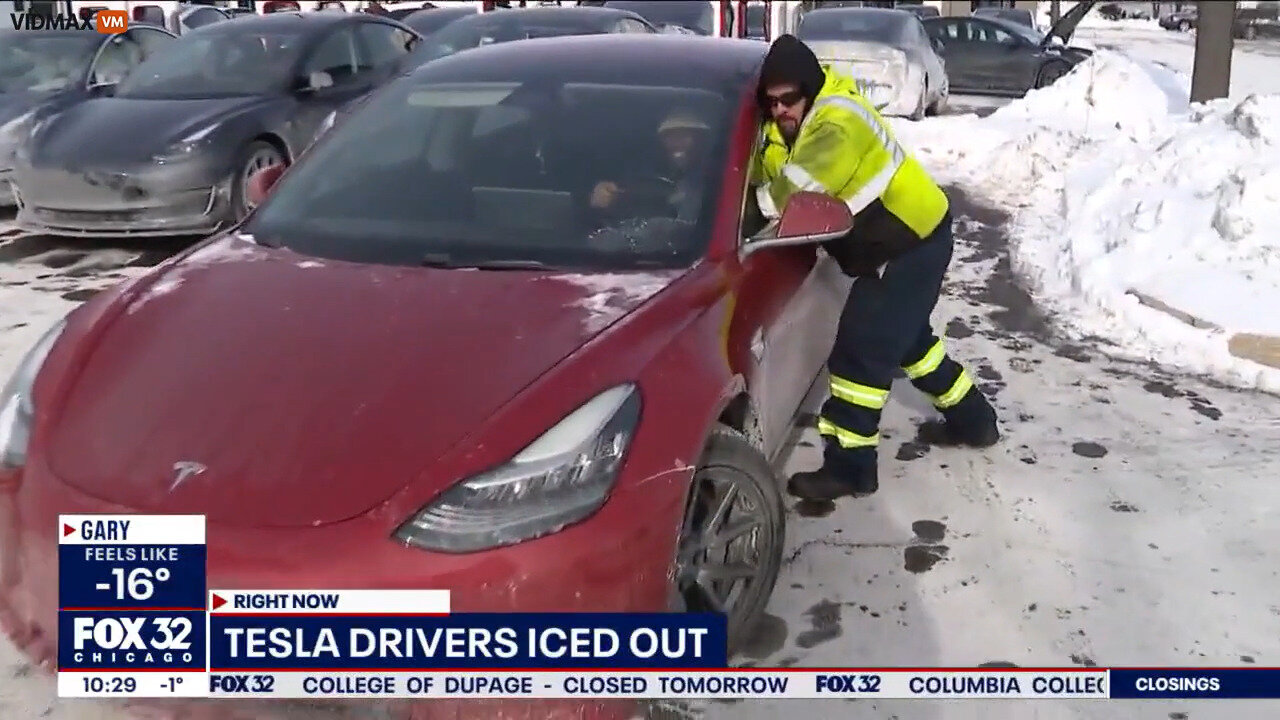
column 435, row 357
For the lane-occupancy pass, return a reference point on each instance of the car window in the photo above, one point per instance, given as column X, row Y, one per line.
column 382, row 45
column 216, row 62
column 119, row 56
column 43, row 61
column 629, row 25
column 950, row 31
column 988, row 33
column 840, row 24
column 201, row 17
column 335, row 55
column 696, row 16
column 508, row 168
column 151, row 39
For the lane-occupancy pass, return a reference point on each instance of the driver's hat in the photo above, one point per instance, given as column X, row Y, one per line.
column 683, row 120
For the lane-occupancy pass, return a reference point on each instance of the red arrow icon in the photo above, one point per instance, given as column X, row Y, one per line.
column 217, row 602
column 67, row 530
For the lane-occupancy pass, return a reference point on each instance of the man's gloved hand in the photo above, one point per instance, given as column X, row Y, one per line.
column 604, row 194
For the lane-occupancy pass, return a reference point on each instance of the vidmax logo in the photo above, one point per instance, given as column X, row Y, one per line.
column 111, row 22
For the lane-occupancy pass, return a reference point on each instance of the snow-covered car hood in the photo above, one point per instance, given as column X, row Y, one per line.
column 311, row 390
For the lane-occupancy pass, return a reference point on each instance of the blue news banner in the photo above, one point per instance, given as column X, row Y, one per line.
column 136, row 619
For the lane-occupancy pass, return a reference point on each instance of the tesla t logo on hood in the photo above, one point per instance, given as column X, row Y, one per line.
column 184, row 470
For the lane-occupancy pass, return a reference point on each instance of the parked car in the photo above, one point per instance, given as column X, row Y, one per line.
column 920, row 11
column 696, row 17
column 1255, row 22
column 887, row 51
column 1125, row 10
column 578, row 425
column 1019, row 16
column 525, row 24
column 429, row 20
column 43, row 72
column 1183, row 20
column 172, row 149
column 994, row 57
column 177, row 19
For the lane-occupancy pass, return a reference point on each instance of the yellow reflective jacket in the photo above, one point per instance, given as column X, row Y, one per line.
column 846, row 150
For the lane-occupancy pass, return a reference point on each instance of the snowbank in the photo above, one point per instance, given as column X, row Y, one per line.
column 1122, row 191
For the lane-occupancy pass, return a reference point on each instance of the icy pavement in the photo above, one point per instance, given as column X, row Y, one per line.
column 1128, row 517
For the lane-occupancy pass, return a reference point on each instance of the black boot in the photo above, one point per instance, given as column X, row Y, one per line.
column 826, row 484
column 972, row 421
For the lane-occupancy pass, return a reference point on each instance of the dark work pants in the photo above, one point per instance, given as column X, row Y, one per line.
column 884, row 331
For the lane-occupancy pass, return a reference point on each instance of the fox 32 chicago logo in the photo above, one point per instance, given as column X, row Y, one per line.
column 132, row 640
column 107, row 22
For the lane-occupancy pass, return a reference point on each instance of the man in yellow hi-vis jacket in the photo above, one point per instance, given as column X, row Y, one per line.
column 821, row 134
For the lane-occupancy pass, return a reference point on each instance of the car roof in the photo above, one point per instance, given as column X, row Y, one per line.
column 638, row 58
column 545, row 14
column 307, row 21
column 891, row 12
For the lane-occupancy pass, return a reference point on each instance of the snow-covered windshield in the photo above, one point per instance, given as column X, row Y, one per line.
column 484, row 172
column 44, row 61
column 889, row 28
column 213, row 62
column 696, row 16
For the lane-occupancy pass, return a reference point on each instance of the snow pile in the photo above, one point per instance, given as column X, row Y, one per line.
column 1134, row 210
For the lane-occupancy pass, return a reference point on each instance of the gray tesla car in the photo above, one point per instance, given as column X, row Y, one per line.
column 45, row 71
column 170, row 149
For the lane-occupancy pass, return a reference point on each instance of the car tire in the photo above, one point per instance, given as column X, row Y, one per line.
column 922, row 105
column 254, row 158
column 734, row 520
column 1050, row 73
column 1184, row 26
column 1250, row 33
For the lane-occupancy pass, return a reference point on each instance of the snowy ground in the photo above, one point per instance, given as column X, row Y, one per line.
column 1128, row 518
column 1128, row 198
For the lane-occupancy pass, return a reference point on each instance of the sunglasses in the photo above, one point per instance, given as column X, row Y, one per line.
column 787, row 99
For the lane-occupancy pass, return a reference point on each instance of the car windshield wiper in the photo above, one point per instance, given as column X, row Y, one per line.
column 443, row 260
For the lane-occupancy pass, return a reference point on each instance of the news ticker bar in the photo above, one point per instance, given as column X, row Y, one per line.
column 846, row 683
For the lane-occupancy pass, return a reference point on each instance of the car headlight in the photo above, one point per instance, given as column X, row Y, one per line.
column 188, row 145
column 17, row 410
column 562, row 477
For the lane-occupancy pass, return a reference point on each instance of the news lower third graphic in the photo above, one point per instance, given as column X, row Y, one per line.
column 131, row 605
column 136, row 619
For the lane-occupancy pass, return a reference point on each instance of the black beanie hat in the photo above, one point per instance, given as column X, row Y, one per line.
column 790, row 61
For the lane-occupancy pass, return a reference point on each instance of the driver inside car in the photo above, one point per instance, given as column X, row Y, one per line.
column 684, row 138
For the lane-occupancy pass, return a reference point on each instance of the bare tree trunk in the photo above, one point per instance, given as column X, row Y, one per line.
column 1211, row 76
column 1055, row 12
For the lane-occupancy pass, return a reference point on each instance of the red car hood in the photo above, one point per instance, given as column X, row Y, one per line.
column 310, row 391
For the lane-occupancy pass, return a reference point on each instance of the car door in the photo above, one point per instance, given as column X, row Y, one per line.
column 151, row 39
column 338, row 55
column 116, row 58
column 786, row 312
column 1009, row 61
column 383, row 49
column 953, row 34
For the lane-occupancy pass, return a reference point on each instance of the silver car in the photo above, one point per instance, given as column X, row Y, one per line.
column 886, row 51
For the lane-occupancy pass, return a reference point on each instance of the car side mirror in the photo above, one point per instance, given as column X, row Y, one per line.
column 316, row 82
column 809, row 217
column 262, row 182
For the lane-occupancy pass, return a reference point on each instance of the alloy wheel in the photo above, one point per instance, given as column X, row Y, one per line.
column 725, row 541
column 261, row 159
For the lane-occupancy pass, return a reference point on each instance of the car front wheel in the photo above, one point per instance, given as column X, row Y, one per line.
column 256, row 157
column 730, row 548
column 1050, row 73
